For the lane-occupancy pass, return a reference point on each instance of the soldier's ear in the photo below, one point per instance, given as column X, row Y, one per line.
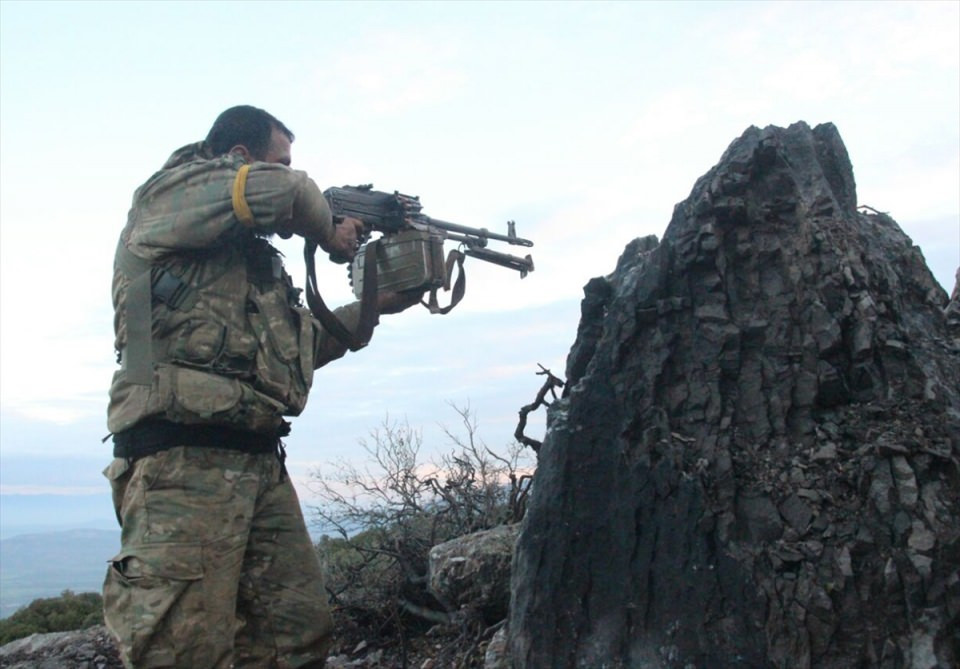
column 243, row 151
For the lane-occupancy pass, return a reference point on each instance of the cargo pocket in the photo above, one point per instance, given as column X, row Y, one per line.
column 202, row 394
column 198, row 342
column 262, row 413
column 153, row 601
column 118, row 473
column 277, row 363
column 130, row 402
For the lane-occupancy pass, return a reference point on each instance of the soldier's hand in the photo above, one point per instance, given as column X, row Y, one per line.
column 393, row 302
column 343, row 245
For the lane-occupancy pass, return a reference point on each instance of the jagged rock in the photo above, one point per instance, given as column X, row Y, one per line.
column 952, row 310
column 473, row 571
column 91, row 648
column 756, row 461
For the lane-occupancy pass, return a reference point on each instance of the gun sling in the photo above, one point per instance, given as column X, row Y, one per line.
column 454, row 258
column 369, row 309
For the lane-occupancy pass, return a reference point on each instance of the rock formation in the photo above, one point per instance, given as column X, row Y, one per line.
column 90, row 648
column 756, row 461
column 472, row 573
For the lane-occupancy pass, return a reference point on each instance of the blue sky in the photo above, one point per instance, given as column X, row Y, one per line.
column 584, row 122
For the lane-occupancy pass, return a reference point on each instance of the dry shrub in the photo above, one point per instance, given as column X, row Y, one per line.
column 382, row 519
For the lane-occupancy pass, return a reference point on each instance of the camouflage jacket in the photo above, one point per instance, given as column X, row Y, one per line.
column 208, row 325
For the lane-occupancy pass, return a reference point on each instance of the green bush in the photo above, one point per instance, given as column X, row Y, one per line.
column 67, row 612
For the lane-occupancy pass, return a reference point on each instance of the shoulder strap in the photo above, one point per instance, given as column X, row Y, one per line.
column 138, row 355
column 148, row 282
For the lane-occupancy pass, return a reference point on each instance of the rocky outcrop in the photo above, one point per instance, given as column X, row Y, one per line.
column 91, row 648
column 953, row 309
column 756, row 461
column 472, row 572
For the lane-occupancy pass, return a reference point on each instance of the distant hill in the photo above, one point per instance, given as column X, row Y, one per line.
column 47, row 563
column 31, row 514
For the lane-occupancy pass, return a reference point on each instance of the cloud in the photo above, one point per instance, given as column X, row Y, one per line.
column 417, row 75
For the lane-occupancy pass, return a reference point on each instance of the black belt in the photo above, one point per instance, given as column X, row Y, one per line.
column 153, row 436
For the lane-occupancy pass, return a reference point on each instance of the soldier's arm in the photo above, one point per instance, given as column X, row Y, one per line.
column 194, row 206
column 310, row 218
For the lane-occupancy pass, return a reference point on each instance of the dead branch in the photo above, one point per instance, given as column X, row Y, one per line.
column 875, row 211
column 551, row 383
column 431, row 615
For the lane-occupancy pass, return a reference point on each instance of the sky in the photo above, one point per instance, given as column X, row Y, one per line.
column 583, row 122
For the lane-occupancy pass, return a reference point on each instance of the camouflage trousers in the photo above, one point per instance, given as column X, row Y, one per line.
column 216, row 568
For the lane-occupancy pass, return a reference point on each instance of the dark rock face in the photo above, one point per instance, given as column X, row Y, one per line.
column 757, row 459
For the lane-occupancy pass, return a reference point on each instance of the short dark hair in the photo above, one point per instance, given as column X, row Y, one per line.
column 244, row 125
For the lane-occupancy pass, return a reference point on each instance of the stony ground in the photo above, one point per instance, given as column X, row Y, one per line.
column 442, row 647
column 83, row 649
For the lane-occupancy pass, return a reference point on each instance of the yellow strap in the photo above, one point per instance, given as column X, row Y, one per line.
column 240, row 206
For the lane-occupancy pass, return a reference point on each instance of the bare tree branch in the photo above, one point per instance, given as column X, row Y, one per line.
column 550, row 385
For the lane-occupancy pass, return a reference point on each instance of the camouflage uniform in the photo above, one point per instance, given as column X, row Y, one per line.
column 216, row 567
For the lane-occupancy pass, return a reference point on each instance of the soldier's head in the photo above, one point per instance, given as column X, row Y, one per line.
column 251, row 132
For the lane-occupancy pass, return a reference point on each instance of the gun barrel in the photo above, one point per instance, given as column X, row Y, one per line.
column 483, row 233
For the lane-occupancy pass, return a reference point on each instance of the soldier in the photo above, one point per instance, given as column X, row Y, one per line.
column 216, row 568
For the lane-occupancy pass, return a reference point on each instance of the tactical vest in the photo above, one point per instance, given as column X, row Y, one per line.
column 211, row 336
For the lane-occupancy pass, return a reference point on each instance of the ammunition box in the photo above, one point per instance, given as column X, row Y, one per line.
column 407, row 260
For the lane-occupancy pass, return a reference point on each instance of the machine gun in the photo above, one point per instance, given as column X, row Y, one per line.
column 409, row 254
